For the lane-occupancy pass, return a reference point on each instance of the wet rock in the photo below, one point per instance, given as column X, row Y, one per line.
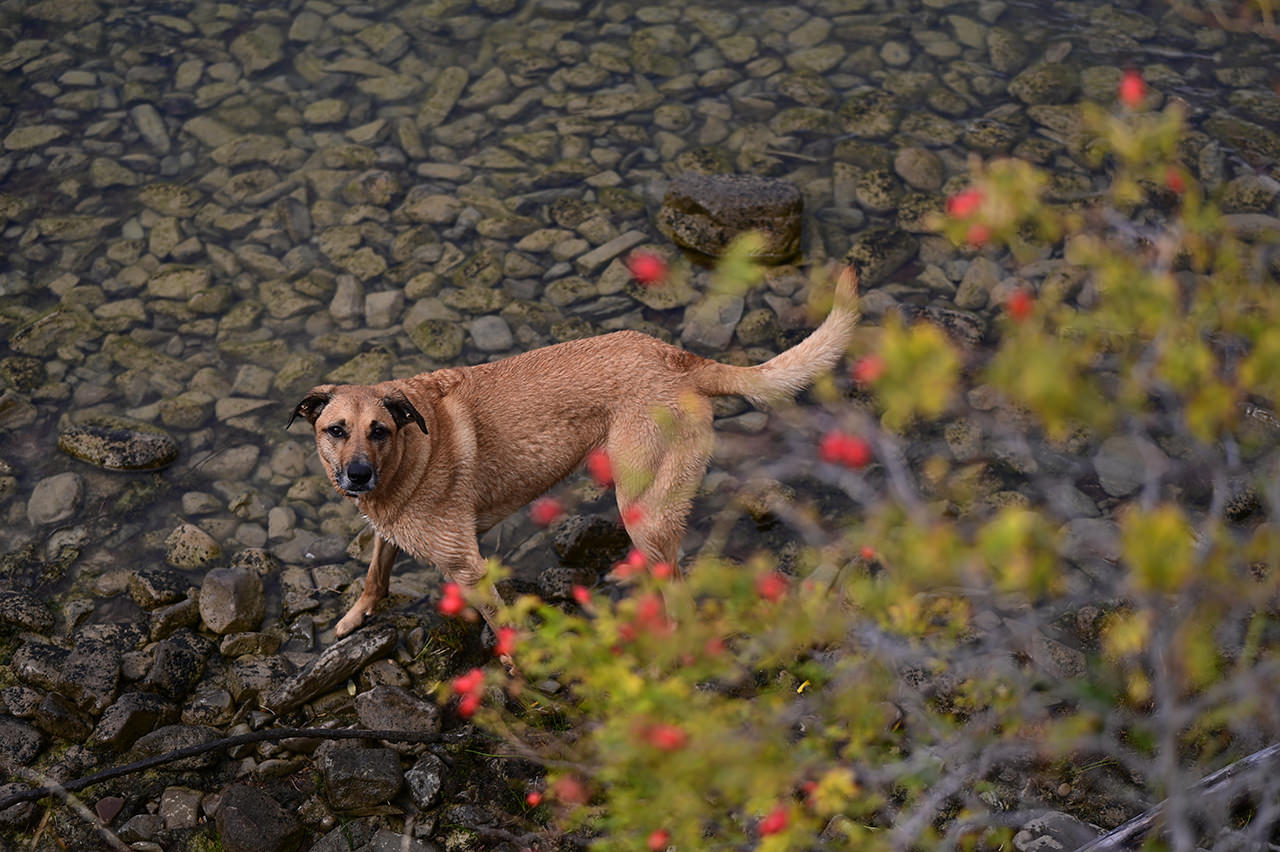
column 167, row 620
column 919, row 167
column 231, row 600
column 975, row 288
column 259, row 48
column 90, row 675
column 249, row 820
column 151, row 587
column 590, row 541
column 877, row 253
column 55, row 499
column 1122, row 464
column 251, row 676
column 25, row 611
column 118, row 443
column 491, row 334
column 1086, row 540
column 58, row 716
column 177, row 665
column 20, row 743
column 174, row 737
column 706, row 212
column 391, row 708
column 438, row 339
column 129, row 717
column 361, row 777
column 425, row 779
column 337, row 663
column 871, row 114
column 39, row 663
column 190, row 548
column 710, row 323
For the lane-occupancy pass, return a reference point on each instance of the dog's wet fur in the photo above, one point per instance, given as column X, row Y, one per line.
column 434, row 460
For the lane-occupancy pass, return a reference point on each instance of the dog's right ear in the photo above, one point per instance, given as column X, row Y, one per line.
column 311, row 406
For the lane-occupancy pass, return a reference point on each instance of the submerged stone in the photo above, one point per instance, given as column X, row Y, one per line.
column 118, row 443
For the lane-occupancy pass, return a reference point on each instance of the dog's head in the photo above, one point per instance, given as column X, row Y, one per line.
column 358, row 431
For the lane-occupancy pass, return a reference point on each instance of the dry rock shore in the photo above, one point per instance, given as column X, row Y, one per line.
column 206, row 208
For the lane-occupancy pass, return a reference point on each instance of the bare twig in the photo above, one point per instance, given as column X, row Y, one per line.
column 108, row 836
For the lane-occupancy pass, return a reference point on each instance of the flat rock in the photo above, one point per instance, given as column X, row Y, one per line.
column 118, row 443
column 232, row 600
column 361, row 777
column 392, row 708
column 25, row 611
column 55, row 499
column 131, row 716
column 19, row 742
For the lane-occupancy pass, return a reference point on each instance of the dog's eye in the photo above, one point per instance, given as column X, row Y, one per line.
column 337, row 432
column 377, row 432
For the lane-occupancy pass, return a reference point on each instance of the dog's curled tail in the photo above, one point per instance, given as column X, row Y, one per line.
column 790, row 372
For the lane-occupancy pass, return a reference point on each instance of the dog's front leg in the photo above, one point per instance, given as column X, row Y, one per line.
column 375, row 586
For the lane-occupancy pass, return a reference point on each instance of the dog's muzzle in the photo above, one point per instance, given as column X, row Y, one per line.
column 358, row 477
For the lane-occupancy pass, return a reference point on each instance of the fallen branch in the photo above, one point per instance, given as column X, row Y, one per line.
column 1217, row 783
column 267, row 735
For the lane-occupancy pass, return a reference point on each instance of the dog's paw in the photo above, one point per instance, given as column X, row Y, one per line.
column 349, row 623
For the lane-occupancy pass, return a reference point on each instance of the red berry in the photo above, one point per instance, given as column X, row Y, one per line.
column 581, row 595
column 1133, row 89
column 469, row 704
column 647, row 268
column 714, row 647
column 662, row 571
column 658, row 840
column 965, row 203
column 840, row 448
column 1019, row 304
column 545, row 511
column 867, row 369
column 771, row 585
column 868, row 553
column 470, row 683
column 775, row 822
column 534, row 798
column 599, row 467
column 977, row 235
column 666, row 737
column 569, row 790
column 632, row 515
column 1174, row 180
column 506, row 641
column 452, row 602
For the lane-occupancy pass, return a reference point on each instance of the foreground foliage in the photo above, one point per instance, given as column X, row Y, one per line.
column 961, row 645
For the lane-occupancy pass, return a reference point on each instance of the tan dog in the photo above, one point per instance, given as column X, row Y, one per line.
column 434, row 460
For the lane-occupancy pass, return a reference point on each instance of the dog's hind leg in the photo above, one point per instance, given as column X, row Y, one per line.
column 376, row 584
column 667, row 462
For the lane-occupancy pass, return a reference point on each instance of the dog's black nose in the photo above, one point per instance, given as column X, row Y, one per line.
column 359, row 473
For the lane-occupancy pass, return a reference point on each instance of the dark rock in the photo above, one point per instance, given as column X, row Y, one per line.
column 22, row 701
column 167, row 620
column 391, row 708
column 347, row 836
column 338, row 662
column 706, row 212
column 124, row 637
column 90, row 675
column 389, row 841
column 590, row 541
column 249, row 820
column 231, row 600
column 108, row 808
column 132, row 715
column 251, row 676
column 425, row 780
column 361, row 777
column 142, row 827
column 256, row 561
column 173, row 737
column 25, row 611
column 58, row 716
column 19, row 814
column 961, row 326
column 118, row 443
column 19, row 742
column 877, row 253
column 556, row 582
column 177, row 665
column 39, row 664
column 155, row 586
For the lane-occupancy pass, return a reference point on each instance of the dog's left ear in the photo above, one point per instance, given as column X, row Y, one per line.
column 311, row 406
column 402, row 412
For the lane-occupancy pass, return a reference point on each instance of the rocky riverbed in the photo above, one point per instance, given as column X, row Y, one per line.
column 206, row 208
